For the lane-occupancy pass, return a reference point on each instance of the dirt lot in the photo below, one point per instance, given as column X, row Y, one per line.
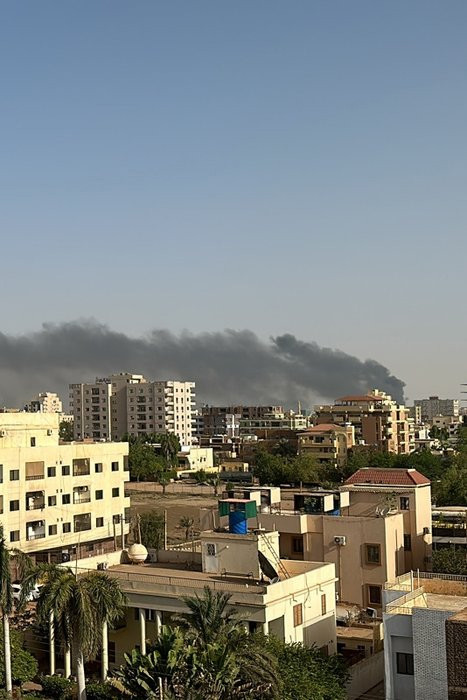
column 177, row 505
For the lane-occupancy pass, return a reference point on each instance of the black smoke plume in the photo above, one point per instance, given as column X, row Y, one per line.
column 228, row 366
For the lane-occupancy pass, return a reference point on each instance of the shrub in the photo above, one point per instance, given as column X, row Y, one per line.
column 101, row 691
column 56, row 687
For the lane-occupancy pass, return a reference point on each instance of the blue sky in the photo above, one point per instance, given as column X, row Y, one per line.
column 280, row 166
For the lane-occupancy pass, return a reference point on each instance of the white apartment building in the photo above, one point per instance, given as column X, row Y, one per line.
column 128, row 403
column 434, row 406
column 45, row 402
column 60, row 501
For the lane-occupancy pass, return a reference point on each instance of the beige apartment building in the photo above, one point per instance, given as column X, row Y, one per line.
column 434, row 406
column 130, row 404
column 297, row 605
column 45, row 402
column 60, row 501
column 378, row 421
column 375, row 528
column 327, row 443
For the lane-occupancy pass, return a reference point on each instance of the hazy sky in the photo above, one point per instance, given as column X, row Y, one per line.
column 288, row 167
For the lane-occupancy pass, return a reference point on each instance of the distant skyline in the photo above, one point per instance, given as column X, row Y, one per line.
column 283, row 167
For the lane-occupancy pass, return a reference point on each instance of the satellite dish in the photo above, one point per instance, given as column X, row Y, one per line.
column 266, row 567
column 276, row 579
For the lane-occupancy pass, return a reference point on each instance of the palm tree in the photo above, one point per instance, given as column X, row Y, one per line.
column 81, row 608
column 6, row 605
column 170, row 447
column 209, row 617
column 187, row 523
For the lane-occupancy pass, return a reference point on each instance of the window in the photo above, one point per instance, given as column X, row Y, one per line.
column 14, row 535
column 33, row 442
column 52, row 529
column 66, row 527
column 115, row 466
column 404, row 502
column 66, row 499
column 323, row 604
column 99, row 495
column 112, row 652
column 297, row 545
column 34, row 470
column 14, row 505
column 407, row 543
column 374, row 595
column 99, row 522
column 297, row 615
column 373, row 553
column 14, row 474
column 98, row 467
column 52, row 501
column 51, row 471
column 115, row 492
column 404, row 664
column 211, row 550
column 66, row 470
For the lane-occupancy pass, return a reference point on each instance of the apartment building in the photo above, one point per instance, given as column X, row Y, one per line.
column 379, row 491
column 215, row 420
column 425, row 622
column 291, row 599
column 60, row 501
column 378, row 421
column 434, row 406
column 45, row 402
column 130, row 404
column 327, row 443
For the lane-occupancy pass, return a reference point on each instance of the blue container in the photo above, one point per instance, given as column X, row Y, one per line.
column 237, row 522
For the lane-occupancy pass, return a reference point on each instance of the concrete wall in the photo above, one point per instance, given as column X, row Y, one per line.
column 397, row 638
column 429, row 642
column 365, row 675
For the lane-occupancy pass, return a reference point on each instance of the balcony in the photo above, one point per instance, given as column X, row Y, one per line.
column 34, row 471
column 35, row 530
column 81, row 467
column 35, row 500
column 81, row 494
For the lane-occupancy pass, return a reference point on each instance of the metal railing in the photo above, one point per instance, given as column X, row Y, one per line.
column 161, row 580
column 442, row 577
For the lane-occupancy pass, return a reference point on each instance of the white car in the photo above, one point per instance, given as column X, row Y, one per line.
column 33, row 595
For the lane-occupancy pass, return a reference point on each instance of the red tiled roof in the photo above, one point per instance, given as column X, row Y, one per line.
column 365, row 398
column 388, row 477
column 324, row 428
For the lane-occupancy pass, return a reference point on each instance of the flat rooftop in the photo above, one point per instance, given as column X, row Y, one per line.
column 438, row 601
column 191, row 576
column 355, row 633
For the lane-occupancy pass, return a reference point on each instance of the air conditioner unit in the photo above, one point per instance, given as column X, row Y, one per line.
column 340, row 540
column 50, row 432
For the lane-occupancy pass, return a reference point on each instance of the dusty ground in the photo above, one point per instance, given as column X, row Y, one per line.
column 177, row 506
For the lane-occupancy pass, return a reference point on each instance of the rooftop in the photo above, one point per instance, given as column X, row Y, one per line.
column 387, row 477
column 364, row 398
column 323, row 428
column 440, row 601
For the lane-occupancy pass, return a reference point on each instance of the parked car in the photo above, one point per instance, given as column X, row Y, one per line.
column 33, row 595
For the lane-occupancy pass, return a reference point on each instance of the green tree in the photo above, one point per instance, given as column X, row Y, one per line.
column 82, row 608
column 170, row 447
column 187, row 524
column 23, row 665
column 449, row 560
column 451, row 489
column 152, row 529
column 65, row 430
column 306, row 673
column 144, row 463
column 6, row 605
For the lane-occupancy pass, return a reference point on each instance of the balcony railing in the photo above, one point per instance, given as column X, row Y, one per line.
column 35, row 536
column 81, row 498
column 37, row 505
column 34, row 477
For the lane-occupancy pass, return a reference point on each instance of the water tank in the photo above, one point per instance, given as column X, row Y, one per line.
column 238, row 522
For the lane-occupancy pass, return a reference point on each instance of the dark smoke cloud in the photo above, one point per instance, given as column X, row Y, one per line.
column 228, row 366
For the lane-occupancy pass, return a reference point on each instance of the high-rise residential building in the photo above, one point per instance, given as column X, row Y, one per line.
column 45, row 402
column 378, row 421
column 60, row 501
column 128, row 403
column 215, row 420
column 434, row 406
